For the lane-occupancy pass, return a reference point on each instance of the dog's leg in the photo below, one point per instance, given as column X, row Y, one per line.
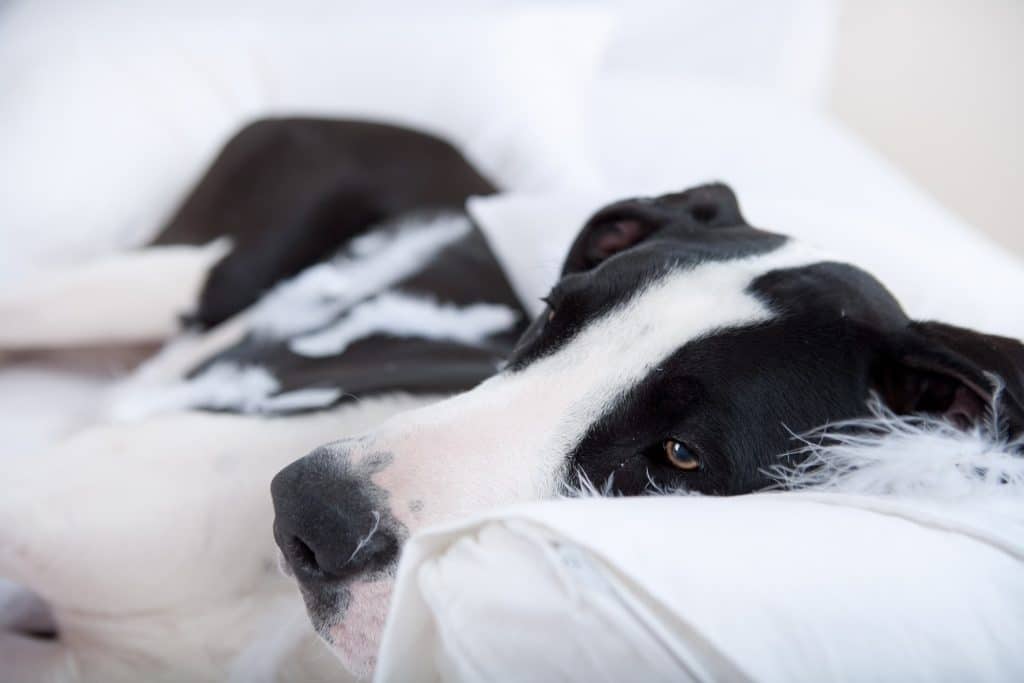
column 129, row 298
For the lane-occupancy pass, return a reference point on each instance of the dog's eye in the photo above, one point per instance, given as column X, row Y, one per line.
column 551, row 314
column 681, row 456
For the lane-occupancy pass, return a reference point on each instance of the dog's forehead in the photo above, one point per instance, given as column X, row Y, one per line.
column 662, row 307
column 785, row 275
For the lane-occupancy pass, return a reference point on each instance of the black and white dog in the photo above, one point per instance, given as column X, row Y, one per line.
column 682, row 348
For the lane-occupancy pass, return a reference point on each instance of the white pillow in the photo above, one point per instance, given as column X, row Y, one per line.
column 794, row 172
column 767, row 587
column 112, row 109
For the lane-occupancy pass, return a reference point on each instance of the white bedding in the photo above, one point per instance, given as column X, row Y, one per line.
column 770, row 587
column 111, row 110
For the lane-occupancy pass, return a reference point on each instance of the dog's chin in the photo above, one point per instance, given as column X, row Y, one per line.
column 351, row 620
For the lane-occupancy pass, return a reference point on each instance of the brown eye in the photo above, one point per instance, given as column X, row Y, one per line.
column 551, row 314
column 681, row 456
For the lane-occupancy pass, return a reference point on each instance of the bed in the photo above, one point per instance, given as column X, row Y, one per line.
column 864, row 582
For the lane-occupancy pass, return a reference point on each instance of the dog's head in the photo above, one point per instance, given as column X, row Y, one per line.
column 682, row 348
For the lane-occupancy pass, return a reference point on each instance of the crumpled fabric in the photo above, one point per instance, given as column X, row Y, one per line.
column 767, row 587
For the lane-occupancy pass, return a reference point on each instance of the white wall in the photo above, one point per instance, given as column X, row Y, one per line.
column 938, row 87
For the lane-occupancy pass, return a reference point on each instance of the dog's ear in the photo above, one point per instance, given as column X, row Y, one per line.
column 622, row 225
column 954, row 373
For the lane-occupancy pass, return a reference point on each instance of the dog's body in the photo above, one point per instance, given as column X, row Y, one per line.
column 682, row 349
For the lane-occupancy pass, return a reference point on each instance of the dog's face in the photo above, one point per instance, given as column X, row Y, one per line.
column 681, row 349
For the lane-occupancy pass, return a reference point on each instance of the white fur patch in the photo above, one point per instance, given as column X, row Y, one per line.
column 562, row 395
column 919, row 457
column 403, row 315
column 372, row 263
column 307, row 302
column 224, row 386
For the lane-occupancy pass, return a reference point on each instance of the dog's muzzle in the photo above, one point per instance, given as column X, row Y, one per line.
column 329, row 522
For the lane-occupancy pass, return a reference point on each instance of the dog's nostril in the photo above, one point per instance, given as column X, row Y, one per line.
column 302, row 556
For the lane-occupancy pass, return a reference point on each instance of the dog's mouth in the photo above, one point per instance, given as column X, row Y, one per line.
column 348, row 615
column 350, row 618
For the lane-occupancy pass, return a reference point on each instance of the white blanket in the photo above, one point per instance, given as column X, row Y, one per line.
column 769, row 587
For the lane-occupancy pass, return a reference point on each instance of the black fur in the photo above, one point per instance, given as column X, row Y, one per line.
column 674, row 231
column 463, row 273
column 738, row 398
column 288, row 192
column 291, row 193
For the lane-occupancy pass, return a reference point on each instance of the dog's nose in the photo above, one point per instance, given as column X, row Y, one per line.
column 330, row 525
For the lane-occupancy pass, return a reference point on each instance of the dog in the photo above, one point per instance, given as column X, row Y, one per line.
column 682, row 348
column 334, row 287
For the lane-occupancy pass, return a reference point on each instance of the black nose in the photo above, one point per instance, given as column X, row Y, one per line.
column 330, row 524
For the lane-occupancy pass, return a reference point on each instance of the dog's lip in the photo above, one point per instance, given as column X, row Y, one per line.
column 354, row 632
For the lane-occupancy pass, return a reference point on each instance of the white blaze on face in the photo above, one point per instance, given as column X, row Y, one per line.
column 507, row 440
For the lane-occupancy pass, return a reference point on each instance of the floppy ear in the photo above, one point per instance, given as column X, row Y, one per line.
column 622, row 225
column 953, row 373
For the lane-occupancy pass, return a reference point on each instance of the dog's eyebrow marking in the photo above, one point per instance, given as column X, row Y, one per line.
column 402, row 315
column 371, row 264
